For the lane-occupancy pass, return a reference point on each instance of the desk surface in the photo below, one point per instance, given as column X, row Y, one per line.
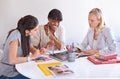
column 82, row 68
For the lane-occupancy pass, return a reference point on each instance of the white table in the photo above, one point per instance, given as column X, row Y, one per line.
column 82, row 67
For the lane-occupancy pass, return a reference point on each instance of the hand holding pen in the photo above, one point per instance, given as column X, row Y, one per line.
column 50, row 45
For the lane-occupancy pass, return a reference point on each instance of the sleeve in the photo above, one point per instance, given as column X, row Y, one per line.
column 110, row 44
column 15, row 35
column 36, row 38
column 85, row 42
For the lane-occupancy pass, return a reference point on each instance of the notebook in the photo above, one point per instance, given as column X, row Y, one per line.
column 44, row 68
column 95, row 60
column 54, row 69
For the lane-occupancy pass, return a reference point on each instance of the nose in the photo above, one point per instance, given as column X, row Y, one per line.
column 56, row 23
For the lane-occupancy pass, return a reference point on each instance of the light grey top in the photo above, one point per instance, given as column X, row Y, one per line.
column 104, row 41
column 94, row 44
column 9, row 70
column 43, row 39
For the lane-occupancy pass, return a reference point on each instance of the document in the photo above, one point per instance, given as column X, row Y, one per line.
column 56, row 51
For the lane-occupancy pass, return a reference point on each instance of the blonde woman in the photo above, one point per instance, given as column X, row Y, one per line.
column 98, row 38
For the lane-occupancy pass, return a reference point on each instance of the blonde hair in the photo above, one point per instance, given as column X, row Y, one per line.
column 98, row 13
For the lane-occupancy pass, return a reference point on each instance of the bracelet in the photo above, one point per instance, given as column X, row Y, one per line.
column 28, row 59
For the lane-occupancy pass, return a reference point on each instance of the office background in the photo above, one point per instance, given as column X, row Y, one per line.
column 75, row 15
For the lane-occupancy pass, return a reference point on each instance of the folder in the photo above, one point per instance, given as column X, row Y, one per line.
column 95, row 60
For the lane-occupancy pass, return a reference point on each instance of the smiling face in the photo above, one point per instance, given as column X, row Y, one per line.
column 54, row 19
column 93, row 21
column 54, row 24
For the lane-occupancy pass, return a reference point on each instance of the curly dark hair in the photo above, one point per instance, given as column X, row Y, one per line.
column 55, row 14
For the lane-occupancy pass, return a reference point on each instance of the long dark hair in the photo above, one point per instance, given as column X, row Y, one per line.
column 28, row 22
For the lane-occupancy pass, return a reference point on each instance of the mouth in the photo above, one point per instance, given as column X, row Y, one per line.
column 55, row 27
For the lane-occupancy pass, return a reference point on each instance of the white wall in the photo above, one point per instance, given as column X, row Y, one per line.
column 111, row 13
column 75, row 13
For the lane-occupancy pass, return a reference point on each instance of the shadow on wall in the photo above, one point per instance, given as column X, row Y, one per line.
column 1, row 54
column 117, row 38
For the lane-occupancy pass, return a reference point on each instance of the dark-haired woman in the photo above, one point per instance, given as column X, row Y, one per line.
column 51, row 34
column 18, row 46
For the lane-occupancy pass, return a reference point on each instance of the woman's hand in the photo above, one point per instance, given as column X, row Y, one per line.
column 91, row 51
column 35, row 55
column 50, row 45
column 42, row 51
column 39, row 53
